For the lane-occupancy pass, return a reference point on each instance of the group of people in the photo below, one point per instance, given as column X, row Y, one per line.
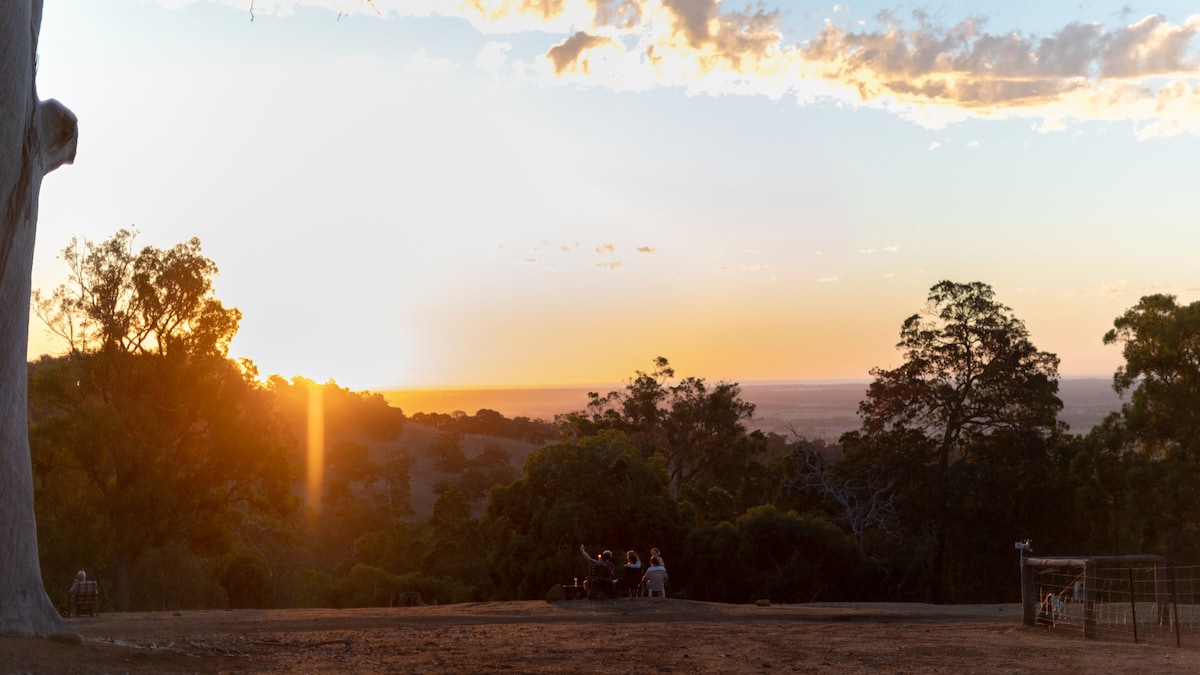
column 634, row 580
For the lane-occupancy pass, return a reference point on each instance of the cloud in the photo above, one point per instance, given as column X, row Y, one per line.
column 759, row 267
column 492, row 57
column 570, row 54
column 423, row 64
column 645, row 249
column 1146, row 72
column 605, row 248
column 828, row 280
column 934, row 146
column 609, row 265
column 1114, row 290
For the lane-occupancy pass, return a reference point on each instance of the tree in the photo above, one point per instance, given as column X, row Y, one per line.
column 698, row 431
column 860, row 503
column 970, row 371
column 36, row 137
column 154, row 301
column 170, row 439
column 597, row 491
column 1160, row 340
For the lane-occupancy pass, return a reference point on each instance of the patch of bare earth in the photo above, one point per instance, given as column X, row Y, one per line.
column 611, row 636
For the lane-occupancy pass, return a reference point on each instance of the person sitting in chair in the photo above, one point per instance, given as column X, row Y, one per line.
column 600, row 571
column 655, row 578
column 77, row 587
column 631, row 574
column 81, row 596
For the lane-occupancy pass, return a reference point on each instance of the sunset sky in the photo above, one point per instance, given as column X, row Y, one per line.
column 409, row 194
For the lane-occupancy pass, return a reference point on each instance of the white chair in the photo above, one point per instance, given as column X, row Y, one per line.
column 655, row 582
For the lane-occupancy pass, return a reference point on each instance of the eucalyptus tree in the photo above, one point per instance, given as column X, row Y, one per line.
column 969, row 371
column 171, row 439
column 697, row 429
column 36, row 137
column 1160, row 340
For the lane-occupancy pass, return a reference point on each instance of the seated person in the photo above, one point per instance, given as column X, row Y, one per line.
column 655, row 578
column 600, row 571
column 78, row 586
column 631, row 574
column 82, row 594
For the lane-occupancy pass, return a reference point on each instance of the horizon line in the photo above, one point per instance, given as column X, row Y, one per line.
column 610, row 386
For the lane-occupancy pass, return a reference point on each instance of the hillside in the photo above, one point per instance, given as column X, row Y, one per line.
column 417, row 440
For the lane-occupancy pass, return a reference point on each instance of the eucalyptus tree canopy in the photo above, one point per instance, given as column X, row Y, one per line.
column 697, row 429
column 35, row 138
column 969, row 371
column 170, row 439
column 1160, row 340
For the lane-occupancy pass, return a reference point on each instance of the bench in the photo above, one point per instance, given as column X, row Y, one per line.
column 85, row 599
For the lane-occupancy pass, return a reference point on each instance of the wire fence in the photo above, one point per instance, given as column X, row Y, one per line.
column 1156, row 604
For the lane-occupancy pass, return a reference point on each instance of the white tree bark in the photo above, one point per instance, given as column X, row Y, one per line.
column 35, row 138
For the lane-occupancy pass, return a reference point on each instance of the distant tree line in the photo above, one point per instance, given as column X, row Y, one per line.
column 175, row 474
column 487, row 422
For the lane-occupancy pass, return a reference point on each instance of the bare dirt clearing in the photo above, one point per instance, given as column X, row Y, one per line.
column 612, row 636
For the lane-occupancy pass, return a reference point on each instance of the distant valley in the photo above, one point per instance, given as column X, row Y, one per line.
column 818, row 410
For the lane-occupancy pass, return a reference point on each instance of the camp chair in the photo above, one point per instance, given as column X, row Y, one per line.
column 656, row 583
column 85, row 599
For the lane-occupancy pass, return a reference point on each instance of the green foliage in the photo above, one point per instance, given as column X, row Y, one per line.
column 1161, row 344
column 399, row 548
column 598, row 491
column 970, row 372
column 154, row 301
column 447, row 453
column 492, row 466
column 455, row 545
column 772, row 554
column 363, row 586
column 162, row 438
column 312, row 588
column 698, row 431
column 367, row 586
column 174, row 578
column 1160, row 340
column 346, row 414
column 1016, row 486
column 489, row 423
column 246, row 578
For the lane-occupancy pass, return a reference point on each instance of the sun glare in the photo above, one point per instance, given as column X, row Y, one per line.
column 316, row 447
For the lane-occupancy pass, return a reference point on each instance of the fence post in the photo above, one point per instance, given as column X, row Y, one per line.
column 1029, row 596
column 1089, row 599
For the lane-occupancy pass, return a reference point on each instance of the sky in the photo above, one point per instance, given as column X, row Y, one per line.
column 504, row 193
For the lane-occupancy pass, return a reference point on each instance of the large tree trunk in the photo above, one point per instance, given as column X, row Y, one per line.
column 35, row 138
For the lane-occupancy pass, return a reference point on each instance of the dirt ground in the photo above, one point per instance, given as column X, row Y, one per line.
column 609, row 636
